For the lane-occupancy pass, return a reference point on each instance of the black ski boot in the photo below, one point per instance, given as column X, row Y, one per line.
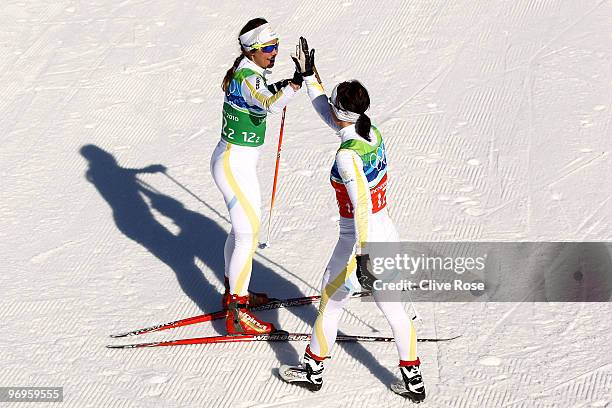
column 412, row 386
column 309, row 374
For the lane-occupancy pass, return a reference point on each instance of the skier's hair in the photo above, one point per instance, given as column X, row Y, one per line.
column 353, row 96
column 254, row 23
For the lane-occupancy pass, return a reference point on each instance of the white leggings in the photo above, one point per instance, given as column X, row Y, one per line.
column 340, row 281
column 234, row 169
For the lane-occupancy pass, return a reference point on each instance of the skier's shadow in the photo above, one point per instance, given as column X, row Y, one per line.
column 198, row 238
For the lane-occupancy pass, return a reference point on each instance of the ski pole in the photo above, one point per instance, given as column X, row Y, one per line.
column 266, row 244
column 316, row 72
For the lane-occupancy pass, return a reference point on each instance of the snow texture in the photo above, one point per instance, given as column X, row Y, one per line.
column 496, row 115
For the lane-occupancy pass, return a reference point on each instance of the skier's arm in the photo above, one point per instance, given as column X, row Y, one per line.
column 319, row 100
column 350, row 168
column 297, row 81
column 277, row 86
column 256, row 93
column 305, row 64
column 154, row 168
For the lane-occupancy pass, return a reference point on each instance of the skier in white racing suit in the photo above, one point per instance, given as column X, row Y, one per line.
column 359, row 178
column 248, row 100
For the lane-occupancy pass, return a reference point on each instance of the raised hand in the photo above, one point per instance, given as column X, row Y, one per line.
column 303, row 58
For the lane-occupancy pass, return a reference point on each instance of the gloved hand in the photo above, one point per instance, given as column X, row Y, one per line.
column 364, row 275
column 277, row 86
column 297, row 79
column 303, row 58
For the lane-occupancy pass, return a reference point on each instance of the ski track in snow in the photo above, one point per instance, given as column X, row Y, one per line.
column 497, row 120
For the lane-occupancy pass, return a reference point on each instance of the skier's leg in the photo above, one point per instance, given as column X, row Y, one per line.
column 241, row 262
column 336, row 289
column 401, row 324
column 405, row 341
column 234, row 172
column 309, row 373
column 404, row 332
column 228, row 250
column 335, row 292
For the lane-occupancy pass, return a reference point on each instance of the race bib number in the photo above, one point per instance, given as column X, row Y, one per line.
column 378, row 196
column 242, row 128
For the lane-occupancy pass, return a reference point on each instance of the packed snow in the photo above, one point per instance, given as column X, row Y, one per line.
column 496, row 115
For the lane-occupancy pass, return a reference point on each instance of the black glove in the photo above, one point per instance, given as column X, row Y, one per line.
column 303, row 58
column 277, row 86
column 364, row 276
column 298, row 78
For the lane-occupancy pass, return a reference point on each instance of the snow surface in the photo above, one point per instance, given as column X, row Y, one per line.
column 497, row 119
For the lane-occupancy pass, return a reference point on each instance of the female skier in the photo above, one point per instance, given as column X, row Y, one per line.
column 359, row 177
column 248, row 99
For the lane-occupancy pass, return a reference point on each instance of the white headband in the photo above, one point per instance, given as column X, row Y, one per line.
column 341, row 113
column 257, row 36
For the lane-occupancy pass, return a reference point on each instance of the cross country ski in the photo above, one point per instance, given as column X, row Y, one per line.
column 273, row 304
column 271, row 337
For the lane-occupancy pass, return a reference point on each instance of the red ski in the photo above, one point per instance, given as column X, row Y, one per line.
column 274, row 304
column 276, row 336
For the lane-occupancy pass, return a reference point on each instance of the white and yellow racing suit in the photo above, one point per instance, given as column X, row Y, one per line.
column 359, row 178
column 234, row 164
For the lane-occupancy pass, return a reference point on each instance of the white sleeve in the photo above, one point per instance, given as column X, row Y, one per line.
column 319, row 100
column 350, row 168
column 256, row 93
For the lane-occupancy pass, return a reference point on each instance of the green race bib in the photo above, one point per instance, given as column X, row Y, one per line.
column 242, row 128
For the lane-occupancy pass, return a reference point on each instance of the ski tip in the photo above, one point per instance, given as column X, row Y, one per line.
column 437, row 339
column 121, row 346
column 114, row 346
column 454, row 337
column 118, row 335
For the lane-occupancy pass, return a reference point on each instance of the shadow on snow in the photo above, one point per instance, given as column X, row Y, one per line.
column 198, row 238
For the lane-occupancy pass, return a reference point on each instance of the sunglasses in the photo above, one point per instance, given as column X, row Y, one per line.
column 268, row 48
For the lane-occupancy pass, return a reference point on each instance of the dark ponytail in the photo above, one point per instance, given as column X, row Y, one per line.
column 363, row 125
column 353, row 96
column 254, row 23
column 230, row 73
